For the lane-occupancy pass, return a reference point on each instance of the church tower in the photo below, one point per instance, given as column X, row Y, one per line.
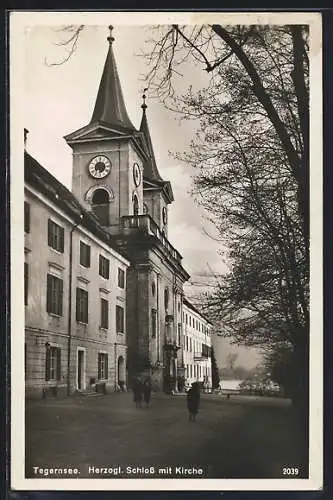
column 115, row 176
column 108, row 156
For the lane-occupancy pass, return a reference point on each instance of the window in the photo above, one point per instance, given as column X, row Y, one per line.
column 55, row 236
column 104, row 267
column 52, row 363
column 81, row 305
column 102, row 366
column 84, row 254
column 54, row 295
column 26, row 283
column 135, row 205
column 100, row 206
column 121, row 278
column 179, row 333
column 119, row 319
column 104, row 313
column 153, row 322
column 186, row 318
column 26, row 217
column 166, row 298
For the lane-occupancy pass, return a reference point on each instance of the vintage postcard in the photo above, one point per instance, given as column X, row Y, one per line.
column 166, row 251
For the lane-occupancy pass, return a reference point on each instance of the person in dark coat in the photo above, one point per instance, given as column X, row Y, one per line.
column 137, row 392
column 147, row 391
column 193, row 400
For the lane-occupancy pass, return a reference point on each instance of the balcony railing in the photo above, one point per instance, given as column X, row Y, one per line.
column 145, row 224
column 200, row 356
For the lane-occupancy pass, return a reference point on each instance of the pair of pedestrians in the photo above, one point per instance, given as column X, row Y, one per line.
column 142, row 391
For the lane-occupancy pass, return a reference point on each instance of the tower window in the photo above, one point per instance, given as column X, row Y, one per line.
column 135, row 205
column 166, row 298
column 153, row 322
column 100, row 206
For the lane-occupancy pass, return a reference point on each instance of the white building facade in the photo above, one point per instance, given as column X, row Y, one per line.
column 74, row 294
column 197, row 346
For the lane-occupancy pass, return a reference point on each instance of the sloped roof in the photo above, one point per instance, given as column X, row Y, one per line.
column 110, row 105
column 189, row 304
column 38, row 177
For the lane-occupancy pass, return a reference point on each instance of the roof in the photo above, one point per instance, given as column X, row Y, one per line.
column 38, row 177
column 150, row 170
column 189, row 304
column 110, row 105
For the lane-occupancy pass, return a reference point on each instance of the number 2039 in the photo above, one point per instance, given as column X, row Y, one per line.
column 290, row 471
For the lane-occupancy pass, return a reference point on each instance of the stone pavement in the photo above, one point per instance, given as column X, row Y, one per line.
column 240, row 437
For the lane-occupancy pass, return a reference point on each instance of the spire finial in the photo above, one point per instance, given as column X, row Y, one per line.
column 110, row 38
column 144, row 97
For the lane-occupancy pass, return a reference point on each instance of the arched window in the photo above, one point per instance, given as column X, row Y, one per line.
column 135, row 205
column 100, row 206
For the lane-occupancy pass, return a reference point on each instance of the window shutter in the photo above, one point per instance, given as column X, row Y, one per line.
column 47, row 364
column 49, row 293
column 86, row 307
column 77, row 304
column 58, row 363
column 107, row 268
column 88, row 256
column 62, row 239
column 61, row 291
column 49, row 232
column 26, row 217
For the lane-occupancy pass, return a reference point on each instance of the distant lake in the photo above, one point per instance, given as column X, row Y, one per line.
column 230, row 384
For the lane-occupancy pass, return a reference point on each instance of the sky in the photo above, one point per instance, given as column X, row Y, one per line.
column 59, row 99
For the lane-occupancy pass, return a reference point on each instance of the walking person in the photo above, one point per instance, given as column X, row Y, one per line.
column 137, row 392
column 193, row 400
column 147, row 391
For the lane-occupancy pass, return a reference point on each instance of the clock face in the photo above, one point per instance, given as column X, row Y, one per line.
column 136, row 174
column 164, row 215
column 99, row 167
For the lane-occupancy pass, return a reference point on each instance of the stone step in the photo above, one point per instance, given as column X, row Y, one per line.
column 91, row 394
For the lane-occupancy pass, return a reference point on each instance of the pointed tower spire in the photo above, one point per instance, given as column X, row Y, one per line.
column 150, row 167
column 110, row 106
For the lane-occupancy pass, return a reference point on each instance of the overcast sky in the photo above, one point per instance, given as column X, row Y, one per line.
column 60, row 99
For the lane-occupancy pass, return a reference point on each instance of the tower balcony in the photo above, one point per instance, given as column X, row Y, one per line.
column 144, row 224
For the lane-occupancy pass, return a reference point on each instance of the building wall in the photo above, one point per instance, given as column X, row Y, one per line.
column 148, row 279
column 196, row 332
column 43, row 329
column 119, row 182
